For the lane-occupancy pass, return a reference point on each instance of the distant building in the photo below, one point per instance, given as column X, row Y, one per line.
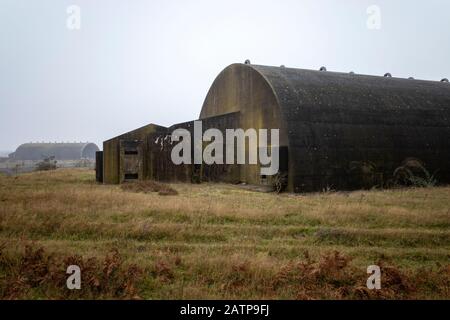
column 60, row 151
column 4, row 154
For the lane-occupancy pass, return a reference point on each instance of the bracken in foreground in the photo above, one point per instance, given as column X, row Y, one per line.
column 219, row 241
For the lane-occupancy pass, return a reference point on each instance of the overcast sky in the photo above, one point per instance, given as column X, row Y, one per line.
column 136, row 62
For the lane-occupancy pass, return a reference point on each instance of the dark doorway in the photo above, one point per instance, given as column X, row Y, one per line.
column 131, row 160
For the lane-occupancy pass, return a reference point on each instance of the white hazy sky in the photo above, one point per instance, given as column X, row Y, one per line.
column 136, row 62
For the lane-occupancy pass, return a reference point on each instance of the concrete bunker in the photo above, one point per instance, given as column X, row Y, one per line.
column 337, row 130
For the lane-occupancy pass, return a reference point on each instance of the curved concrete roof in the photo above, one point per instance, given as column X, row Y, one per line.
column 330, row 120
column 61, row 151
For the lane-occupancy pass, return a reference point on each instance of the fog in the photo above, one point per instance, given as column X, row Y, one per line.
column 137, row 62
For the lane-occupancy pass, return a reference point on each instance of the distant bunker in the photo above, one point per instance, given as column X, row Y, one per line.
column 339, row 131
column 58, row 151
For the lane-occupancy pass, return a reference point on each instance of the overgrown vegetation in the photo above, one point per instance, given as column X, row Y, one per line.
column 37, row 273
column 413, row 173
column 149, row 187
column 280, row 182
column 85, row 163
column 219, row 241
column 46, row 164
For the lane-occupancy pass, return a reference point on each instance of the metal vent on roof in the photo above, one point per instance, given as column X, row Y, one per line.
column 388, row 75
column 411, row 78
column 351, row 72
column 323, row 69
column 444, row 80
column 247, row 61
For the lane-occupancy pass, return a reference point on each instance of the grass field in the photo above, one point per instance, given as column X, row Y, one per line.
column 218, row 241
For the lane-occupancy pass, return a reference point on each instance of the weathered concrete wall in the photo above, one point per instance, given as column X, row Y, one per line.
column 131, row 160
column 159, row 148
column 99, row 166
column 242, row 89
column 111, row 151
column 342, row 131
column 349, row 131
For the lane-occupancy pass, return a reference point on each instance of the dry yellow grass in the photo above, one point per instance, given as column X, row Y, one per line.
column 219, row 241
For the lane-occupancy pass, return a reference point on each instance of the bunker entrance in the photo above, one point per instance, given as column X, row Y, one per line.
column 131, row 160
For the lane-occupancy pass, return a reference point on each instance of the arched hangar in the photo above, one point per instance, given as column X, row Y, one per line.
column 337, row 130
column 60, row 151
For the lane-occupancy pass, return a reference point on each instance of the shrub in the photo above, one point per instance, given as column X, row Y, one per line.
column 413, row 173
column 280, row 182
column 149, row 187
column 46, row 164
